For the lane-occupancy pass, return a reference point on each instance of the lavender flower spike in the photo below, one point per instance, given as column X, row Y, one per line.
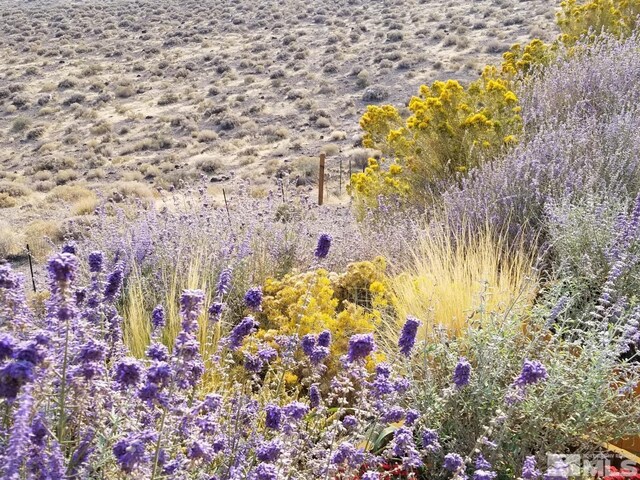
column 532, row 372
column 323, row 246
column 408, row 335
column 360, row 346
column 462, row 373
column 529, row 471
column 253, row 299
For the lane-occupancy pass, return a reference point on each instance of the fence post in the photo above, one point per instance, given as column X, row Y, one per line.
column 33, row 279
column 321, row 179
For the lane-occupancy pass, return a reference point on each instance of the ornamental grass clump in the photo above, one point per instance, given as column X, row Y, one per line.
column 452, row 276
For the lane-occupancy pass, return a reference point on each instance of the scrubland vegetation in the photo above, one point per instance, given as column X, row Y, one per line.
column 466, row 308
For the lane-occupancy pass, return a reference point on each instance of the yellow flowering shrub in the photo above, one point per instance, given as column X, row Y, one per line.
column 518, row 61
column 450, row 130
column 310, row 302
column 575, row 19
column 618, row 17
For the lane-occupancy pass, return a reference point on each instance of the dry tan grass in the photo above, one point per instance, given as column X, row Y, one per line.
column 40, row 235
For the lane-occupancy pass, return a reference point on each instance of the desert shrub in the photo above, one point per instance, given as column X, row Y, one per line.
column 65, row 176
column 42, row 235
column 167, row 99
column 76, row 98
column 69, row 193
column 120, row 191
column 85, row 206
column 595, row 249
column 11, row 240
column 124, row 91
column 6, row 200
column 492, row 414
column 451, row 129
column 344, row 304
column 14, row 189
column 579, row 21
column 20, row 124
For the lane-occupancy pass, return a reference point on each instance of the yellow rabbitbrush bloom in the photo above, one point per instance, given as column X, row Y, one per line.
column 437, row 141
column 345, row 304
column 576, row 19
column 617, row 17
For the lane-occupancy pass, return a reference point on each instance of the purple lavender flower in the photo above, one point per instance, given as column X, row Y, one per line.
column 19, row 437
column 308, row 343
column 411, row 417
column 81, row 454
column 295, row 410
column 349, row 422
column 404, row 447
column 199, row 450
column 13, row 376
column 252, row 363
column 529, row 471
column 316, row 353
column 323, row 246
column 483, row 469
column 224, row 282
column 158, row 352
column 69, row 247
column 453, row 462
column 190, row 304
column 128, row 372
column 114, row 284
column 264, row 471
column 253, row 299
column 96, row 261
column 371, row 475
column 430, row 440
column 269, row 451
column 92, row 351
column 532, row 372
column 347, row 453
column 393, row 414
column 273, row 416
column 482, row 463
column 314, row 396
column 408, row 335
column 8, row 279
column 267, row 354
column 158, row 318
column 159, row 373
column 246, row 326
column 462, row 373
column 7, row 345
column 484, row 475
column 215, row 311
column 360, row 346
column 130, row 452
column 324, row 338
column 62, row 268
